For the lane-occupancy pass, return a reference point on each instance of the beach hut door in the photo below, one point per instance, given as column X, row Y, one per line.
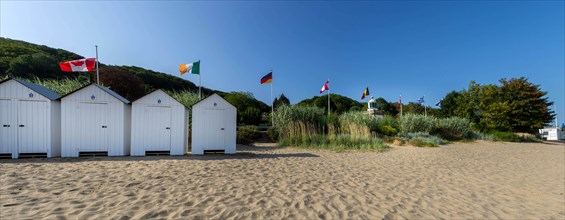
column 32, row 126
column 159, row 136
column 95, row 126
column 6, row 126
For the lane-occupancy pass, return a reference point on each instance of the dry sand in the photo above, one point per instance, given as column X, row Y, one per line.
column 464, row 180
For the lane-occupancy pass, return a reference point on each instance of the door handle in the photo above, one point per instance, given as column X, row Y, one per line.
column 168, row 128
column 6, row 126
column 222, row 129
column 104, row 126
column 21, row 126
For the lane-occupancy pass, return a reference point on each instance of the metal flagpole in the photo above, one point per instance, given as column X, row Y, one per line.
column 97, row 76
column 272, row 104
column 329, row 111
column 199, row 82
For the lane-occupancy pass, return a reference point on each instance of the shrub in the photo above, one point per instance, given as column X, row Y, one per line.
column 411, row 123
column 273, row 134
column 511, row 137
column 387, row 125
column 424, row 140
column 247, row 134
column 453, row 128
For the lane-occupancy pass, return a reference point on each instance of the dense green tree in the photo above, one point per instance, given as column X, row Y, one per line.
column 338, row 103
column 529, row 108
column 449, row 104
column 122, row 82
column 249, row 109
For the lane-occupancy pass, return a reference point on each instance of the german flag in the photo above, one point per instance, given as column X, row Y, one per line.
column 267, row 78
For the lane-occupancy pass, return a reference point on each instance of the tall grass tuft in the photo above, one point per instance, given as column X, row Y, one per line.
column 338, row 143
column 61, row 86
column 357, row 124
column 186, row 98
column 453, row 128
column 299, row 121
column 412, row 123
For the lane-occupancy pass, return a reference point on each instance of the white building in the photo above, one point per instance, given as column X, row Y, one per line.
column 372, row 109
column 29, row 120
column 213, row 125
column 95, row 120
column 159, row 124
column 552, row 134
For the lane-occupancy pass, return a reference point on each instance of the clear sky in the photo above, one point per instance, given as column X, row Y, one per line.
column 415, row 48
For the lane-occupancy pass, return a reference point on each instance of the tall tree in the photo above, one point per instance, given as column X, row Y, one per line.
column 529, row 108
column 281, row 100
column 449, row 104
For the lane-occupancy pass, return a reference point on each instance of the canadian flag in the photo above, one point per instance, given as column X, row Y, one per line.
column 325, row 87
column 82, row 65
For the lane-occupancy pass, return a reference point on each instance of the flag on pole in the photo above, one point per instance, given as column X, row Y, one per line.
column 267, row 78
column 421, row 100
column 399, row 102
column 193, row 68
column 438, row 103
column 365, row 93
column 82, row 65
column 325, row 87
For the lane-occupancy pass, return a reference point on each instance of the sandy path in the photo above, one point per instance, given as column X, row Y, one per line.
column 470, row 180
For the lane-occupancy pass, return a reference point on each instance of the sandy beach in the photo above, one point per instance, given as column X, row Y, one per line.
column 483, row 180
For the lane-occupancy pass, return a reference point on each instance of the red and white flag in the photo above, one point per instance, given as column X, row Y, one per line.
column 325, row 87
column 399, row 102
column 82, row 65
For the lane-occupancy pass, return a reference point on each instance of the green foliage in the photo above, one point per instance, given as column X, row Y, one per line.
column 388, row 126
column 249, row 108
column 411, row 123
column 273, row 134
column 389, row 108
column 453, row 128
column 299, row 121
column 186, row 98
column 517, row 105
column 449, row 104
column 511, row 137
column 63, row 86
column 338, row 104
column 337, row 143
column 247, row 134
column 122, row 82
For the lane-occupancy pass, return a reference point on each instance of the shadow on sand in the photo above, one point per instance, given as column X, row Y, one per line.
column 244, row 152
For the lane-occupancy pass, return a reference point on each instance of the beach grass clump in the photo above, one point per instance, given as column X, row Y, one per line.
column 187, row 98
column 299, row 121
column 61, row 86
column 422, row 139
column 340, row 142
column 357, row 124
column 247, row 134
column 388, row 126
column 512, row 137
column 452, row 128
column 414, row 123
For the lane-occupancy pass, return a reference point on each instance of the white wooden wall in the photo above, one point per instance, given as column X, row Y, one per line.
column 214, row 126
column 33, row 121
column 151, row 115
column 83, row 119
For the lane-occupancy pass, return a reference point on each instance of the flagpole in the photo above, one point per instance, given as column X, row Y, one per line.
column 272, row 104
column 199, row 82
column 329, row 111
column 97, row 76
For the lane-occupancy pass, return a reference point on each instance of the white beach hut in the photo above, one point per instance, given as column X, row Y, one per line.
column 159, row 125
column 29, row 120
column 95, row 120
column 213, row 125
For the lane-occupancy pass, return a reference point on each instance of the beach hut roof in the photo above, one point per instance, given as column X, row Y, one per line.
column 107, row 90
column 50, row 94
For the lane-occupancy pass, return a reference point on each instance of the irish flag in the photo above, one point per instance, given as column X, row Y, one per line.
column 82, row 65
column 193, row 68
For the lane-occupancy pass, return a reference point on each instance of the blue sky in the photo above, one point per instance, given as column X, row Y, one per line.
column 415, row 48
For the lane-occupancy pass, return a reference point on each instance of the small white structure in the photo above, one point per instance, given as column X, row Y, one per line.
column 372, row 109
column 552, row 134
column 30, row 117
column 159, row 124
column 213, row 125
column 95, row 120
